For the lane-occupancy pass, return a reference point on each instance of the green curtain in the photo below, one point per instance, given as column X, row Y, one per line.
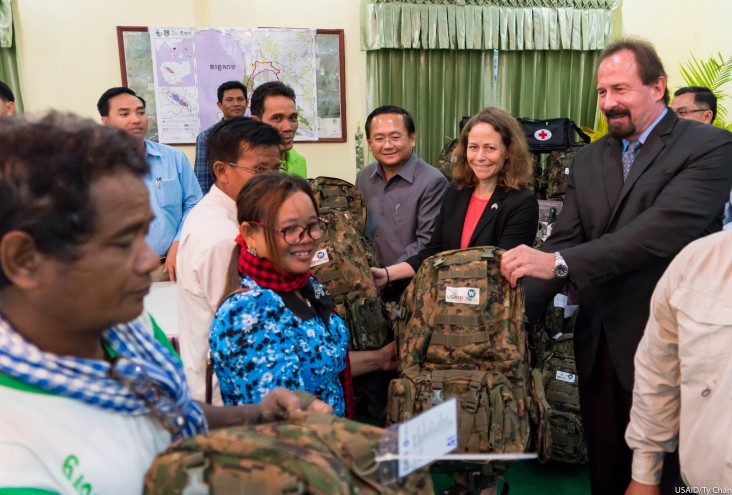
column 9, row 75
column 546, row 84
column 6, row 24
column 8, row 59
column 438, row 87
column 486, row 24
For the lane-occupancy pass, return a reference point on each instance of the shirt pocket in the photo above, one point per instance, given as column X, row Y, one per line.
column 169, row 194
column 705, row 334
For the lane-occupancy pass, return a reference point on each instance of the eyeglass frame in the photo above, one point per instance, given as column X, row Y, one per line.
column 173, row 425
column 258, row 170
column 685, row 111
column 308, row 228
column 381, row 141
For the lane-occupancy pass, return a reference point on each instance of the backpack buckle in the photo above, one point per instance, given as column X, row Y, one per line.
column 473, row 398
column 194, row 466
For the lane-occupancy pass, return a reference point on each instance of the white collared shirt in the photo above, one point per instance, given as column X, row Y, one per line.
column 683, row 370
column 206, row 244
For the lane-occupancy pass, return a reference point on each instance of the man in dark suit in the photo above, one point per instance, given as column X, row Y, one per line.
column 634, row 199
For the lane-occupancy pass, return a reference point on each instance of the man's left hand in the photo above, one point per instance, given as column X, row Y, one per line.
column 170, row 260
column 524, row 261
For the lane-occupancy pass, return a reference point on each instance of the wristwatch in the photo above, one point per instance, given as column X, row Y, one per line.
column 560, row 267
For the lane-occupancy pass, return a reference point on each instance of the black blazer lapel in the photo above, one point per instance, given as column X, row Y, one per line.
column 611, row 163
column 490, row 213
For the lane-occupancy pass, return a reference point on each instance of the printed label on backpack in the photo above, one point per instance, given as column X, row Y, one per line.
column 566, row 377
column 462, row 295
column 320, row 258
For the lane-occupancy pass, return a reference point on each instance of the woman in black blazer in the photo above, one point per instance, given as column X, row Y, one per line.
column 488, row 203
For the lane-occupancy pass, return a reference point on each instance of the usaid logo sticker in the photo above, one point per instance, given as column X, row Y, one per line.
column 462, row 295
column 543, row 134
column 566, row 377
column 320, row 258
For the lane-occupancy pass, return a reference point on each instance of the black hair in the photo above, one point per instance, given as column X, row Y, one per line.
column 224, row 142
column 702, row 96
column 230, row 85
column 6, row 94
column 103, row 103
column 264, row 91
column 384, row 109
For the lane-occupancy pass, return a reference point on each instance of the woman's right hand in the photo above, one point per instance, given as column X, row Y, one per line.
column 380, row 276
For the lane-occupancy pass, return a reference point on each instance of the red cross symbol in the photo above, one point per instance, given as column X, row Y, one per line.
column 543, row 134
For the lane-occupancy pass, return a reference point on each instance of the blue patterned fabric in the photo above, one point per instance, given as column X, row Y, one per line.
column 200, row 167
column 90, row 381
column 257, row 344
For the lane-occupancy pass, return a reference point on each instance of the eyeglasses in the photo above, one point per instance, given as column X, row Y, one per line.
column 682, row 112
column 381, row 141
column 257, row 170
column 294, row 234
column 136, row 380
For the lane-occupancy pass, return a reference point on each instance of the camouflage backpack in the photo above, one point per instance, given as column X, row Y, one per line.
column 460, row 334
column 557, row 169
column 338, row 194
column 309, row 453
column 447, row 159
column 554, row 387
column 342, row 266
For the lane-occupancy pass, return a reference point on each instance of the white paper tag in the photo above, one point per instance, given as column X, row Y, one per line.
column 428, row 436
column 462, row 295
column 560, row 301
column 566, row 377
column 320, row 257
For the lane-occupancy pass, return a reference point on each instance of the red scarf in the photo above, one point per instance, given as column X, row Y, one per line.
column 265, row 274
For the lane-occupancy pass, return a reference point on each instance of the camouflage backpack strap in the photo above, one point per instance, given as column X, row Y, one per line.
column 470, row 414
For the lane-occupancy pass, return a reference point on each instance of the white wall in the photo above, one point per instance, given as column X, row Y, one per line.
column 67, row 52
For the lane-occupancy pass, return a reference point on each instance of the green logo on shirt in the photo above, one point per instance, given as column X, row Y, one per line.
column 69, row 469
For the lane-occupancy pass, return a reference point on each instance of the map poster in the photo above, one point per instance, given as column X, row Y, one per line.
column 189, row 64
column 175, row 84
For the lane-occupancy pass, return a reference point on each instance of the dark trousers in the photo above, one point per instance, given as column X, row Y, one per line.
column 605, row 414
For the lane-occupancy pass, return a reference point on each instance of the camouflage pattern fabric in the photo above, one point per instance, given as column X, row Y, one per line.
column 460, row 334
column 557, row 169
column 342, row 266
column 559, row 435
column 538, row 186
column 309, row 453
column 447, row 159
column 340, row 195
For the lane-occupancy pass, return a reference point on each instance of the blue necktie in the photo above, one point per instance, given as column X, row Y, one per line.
column 629, row 156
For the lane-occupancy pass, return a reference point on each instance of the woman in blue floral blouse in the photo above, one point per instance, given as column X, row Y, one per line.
column 278, row 329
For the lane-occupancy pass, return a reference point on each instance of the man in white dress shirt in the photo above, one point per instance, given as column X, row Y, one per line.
column 237, row 150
